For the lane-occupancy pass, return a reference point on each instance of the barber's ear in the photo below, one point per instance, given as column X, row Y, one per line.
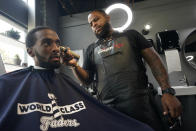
column 108, row 18
column 30, row 52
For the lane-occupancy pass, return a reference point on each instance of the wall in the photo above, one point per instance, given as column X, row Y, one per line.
column 161, row 14
column 47, row 13
column 75, row 32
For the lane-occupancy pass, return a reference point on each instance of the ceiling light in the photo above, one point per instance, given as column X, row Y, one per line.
column 147, row 27
column 126, row 9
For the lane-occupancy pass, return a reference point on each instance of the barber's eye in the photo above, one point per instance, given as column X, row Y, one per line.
column 96, row 19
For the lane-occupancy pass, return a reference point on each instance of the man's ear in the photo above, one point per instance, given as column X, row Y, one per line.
column 30, row 51
column 108, row 18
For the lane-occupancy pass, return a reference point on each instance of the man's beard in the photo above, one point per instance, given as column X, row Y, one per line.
column 46, row 64
column 105, row 32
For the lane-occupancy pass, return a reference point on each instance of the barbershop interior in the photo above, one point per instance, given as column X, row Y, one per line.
column 169, row 26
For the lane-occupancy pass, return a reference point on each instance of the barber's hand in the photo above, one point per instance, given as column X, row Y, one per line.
column 171, row 105
column 68, row 58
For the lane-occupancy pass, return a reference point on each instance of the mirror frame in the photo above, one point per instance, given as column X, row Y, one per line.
column 191, row 38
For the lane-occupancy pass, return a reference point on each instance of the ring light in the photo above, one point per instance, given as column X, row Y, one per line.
column 126, row 9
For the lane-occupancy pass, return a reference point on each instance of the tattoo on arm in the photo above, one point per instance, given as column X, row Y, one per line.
column 157, row 67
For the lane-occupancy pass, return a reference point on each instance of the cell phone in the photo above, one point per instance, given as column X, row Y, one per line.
column 174, row 124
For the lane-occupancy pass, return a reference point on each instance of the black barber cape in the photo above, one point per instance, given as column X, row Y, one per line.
column 33, row 100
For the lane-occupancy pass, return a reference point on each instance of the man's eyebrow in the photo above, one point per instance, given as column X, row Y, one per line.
column 46, row 40
column 93, row 20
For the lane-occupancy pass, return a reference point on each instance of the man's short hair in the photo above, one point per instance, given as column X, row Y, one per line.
column 100, row 11
column 31, row 38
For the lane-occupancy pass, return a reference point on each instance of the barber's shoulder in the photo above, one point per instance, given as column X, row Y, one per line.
column 132, row 31
column 131, row 34
column 92, row 46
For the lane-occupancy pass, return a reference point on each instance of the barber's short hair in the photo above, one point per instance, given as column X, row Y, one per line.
column 100, row 11
column 31, row 38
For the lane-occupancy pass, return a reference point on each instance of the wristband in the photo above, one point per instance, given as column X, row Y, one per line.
column 169, row 91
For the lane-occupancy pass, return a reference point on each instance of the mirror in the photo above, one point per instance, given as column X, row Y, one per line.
column 189, row 49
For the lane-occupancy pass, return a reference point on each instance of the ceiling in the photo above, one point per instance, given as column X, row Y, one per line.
column 69, row 7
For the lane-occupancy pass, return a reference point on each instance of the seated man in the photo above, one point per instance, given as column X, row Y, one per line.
column 38, row 98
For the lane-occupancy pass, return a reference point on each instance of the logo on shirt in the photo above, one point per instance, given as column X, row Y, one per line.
column 48, row 109
column 47, row 122
column 114, row 46
column 57, row 112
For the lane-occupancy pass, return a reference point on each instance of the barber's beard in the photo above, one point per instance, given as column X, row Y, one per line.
column 46, row 64
column 105, row 32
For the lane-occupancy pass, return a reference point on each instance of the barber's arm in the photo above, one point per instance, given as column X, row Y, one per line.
column 169, row 102
column 79, row 72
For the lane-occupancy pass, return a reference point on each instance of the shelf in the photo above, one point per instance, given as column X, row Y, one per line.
column 182, row 90
column 12, row 67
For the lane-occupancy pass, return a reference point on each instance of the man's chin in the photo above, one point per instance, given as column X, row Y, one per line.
column 98, row 35
column 51, row 65
column 104, row 32
column 55, row 64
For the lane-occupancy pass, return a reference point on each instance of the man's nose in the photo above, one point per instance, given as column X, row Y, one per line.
column 56, row 48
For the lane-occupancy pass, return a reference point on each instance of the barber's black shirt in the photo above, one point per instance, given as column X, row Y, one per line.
column 120, row 70
column 121, row 75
